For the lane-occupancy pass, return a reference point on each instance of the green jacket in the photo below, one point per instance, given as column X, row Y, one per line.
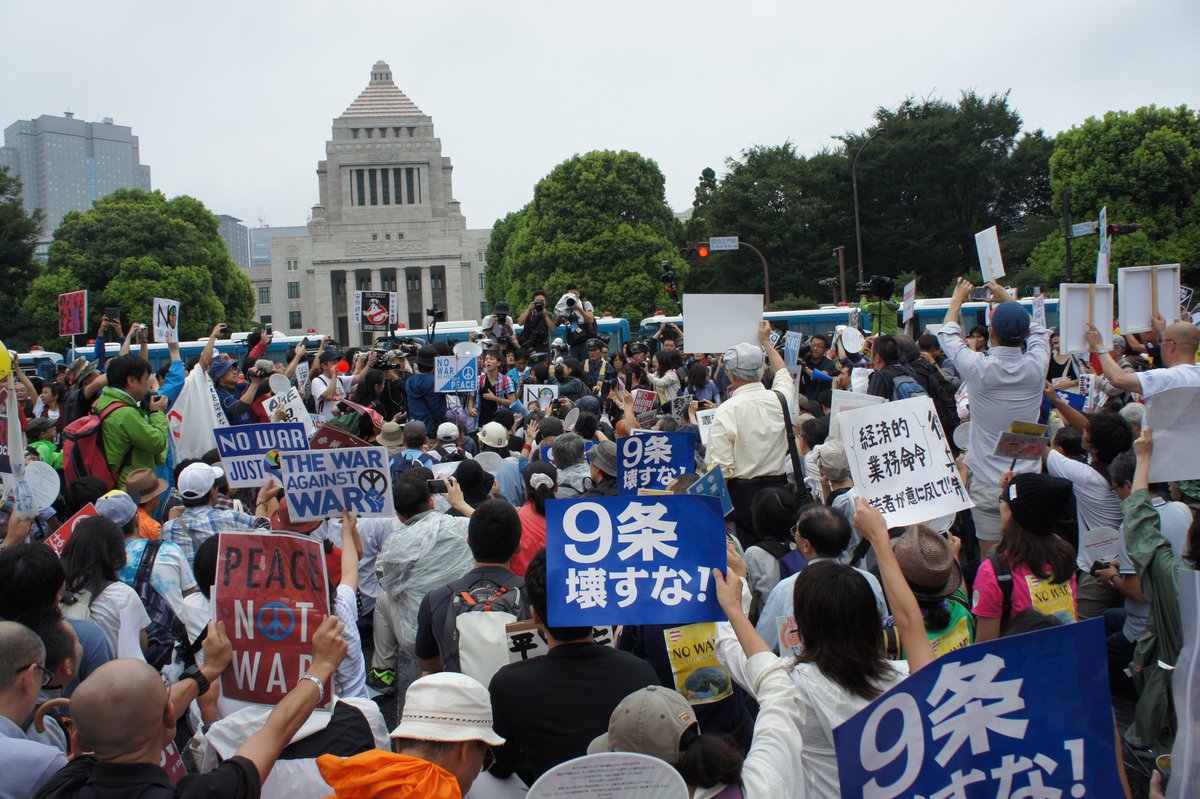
column 1158, row 567
column 132, row 439
column 48, row 453
column 887, row 322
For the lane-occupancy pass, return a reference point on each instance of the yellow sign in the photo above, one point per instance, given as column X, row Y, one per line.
column 1029, row 429
column 956, row 637
column 699, row 675
column 5, row 362
column 1052, row 599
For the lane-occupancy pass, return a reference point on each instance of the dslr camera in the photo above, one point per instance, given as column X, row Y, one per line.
column 879, row 287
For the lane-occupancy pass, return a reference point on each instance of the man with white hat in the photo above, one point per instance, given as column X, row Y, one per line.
column 441, row 744
column 748, row 440
column 201, row 518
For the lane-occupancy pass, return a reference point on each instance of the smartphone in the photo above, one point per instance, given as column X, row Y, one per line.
column 980, row 294
column 268, row 328
column 224, row 329
column 437, row 486
column 113, row 314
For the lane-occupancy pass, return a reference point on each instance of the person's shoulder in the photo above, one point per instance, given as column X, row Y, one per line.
column 234, row 778
column 68, row 780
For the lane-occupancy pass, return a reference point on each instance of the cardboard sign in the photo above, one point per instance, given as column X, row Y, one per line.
column 985, row 716
column 791, row 348
column 901, row 462
column 1147, row 290
column 452, row 375
column 653, row 460
column 333, row 437
column 72, row 313
column 695, row 668
column 910, row 300
column 716, row 322
column 680, row 406
column 244, row 450
column 844, row 401
column 58, row 540
column 1019, row 447
column 987, row 246
column 633, row 560
column 704, row 420
column 375, row 310
column 322, row 483
column 1039, row 310
column 526, row 642
column 293, row 409
column 272, row 592
column 166, row 319
column 1078, row 305
column 712, row 484
column 540, row 396
column 1171, row 414
column 609, row 775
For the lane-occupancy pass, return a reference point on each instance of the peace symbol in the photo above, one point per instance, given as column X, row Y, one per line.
column 372, row 481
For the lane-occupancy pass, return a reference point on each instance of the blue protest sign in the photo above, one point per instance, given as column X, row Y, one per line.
column 712, row 484
column 244, row 450
column 451, row 374
column 990, row 720
column 547, row 451
column 633, row 560
column 653, row 460
column 791, row 348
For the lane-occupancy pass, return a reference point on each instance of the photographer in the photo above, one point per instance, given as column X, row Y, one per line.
column 394, row 399
column 580, row 319
column 877, row 301
column 537, row 324
column 667, row 337
column 498, row 326
column 237, row 399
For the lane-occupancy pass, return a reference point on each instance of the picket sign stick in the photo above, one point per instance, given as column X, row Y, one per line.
column 1092, row 304
column 1153, row 291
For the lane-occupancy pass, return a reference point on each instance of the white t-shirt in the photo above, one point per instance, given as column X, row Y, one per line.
column 1155, row 381
column 1096, row 504
column 108, row 607
column 325, row 407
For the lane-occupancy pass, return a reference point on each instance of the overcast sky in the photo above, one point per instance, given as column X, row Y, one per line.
column 233, row 102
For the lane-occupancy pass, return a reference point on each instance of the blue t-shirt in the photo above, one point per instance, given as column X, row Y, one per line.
column 228, row 399
column 424, row 404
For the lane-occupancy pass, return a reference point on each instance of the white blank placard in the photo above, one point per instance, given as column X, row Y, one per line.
column 987, row 245
column 1135, row 292
column 1076, row 307
column 1171, row 415
column 716, row 322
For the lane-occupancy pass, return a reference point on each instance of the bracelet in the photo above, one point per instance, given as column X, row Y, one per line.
column 317, row 682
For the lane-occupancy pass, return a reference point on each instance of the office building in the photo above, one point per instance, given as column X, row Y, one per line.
column 237, row 239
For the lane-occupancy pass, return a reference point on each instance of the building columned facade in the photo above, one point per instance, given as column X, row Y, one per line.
column 386, row 220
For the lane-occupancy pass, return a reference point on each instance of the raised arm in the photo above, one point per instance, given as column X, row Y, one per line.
column 207, row 355
column 774, row 359
column 1113, row 373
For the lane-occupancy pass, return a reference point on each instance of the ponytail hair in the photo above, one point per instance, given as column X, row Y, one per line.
column 541, row 478
column 709, row 760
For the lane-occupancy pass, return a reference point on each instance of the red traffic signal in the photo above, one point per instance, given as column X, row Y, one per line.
column 1121, row 230
column 693, row 251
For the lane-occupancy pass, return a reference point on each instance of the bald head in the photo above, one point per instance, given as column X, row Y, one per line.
column 20, row 648
column 118, row 709
column 1186, row 337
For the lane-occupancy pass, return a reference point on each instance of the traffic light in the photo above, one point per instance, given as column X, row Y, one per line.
column 1121, row 230
column 693, row 251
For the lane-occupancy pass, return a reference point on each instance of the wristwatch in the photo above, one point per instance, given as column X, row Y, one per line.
column 193, row 673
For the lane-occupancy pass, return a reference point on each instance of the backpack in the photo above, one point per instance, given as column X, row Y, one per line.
column 165, row 630
column 83, row 448
column 790, row 560
column 473, row 638
column 1004, row 579
column 452, row 455
column 905, row 387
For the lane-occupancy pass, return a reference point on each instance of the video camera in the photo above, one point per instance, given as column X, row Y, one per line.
column 880, row 287
column 435, row 313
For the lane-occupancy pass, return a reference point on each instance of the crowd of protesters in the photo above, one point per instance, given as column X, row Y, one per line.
column 103, row 663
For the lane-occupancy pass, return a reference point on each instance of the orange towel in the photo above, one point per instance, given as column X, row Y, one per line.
column 382, row 775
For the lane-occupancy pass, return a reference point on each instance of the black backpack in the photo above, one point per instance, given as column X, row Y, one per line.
column 1004, row 579
column 166, row 631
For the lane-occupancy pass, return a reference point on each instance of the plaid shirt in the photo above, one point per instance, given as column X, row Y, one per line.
column 197, row 525
column 504, row 385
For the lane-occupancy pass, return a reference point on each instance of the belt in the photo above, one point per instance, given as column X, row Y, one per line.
column 767, row 480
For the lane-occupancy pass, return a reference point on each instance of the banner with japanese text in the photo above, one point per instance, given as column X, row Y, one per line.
column 250, row 452
column 986, row 721
column 72, row 313
column 901, row 463
column 653, row 460
column 633, row 560
column 272, row 592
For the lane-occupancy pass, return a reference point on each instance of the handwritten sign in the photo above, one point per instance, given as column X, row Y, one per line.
column 166, row 319
column 704, row 420
column 540, row 396
column 324, row 482
column 653, row 460
column 987, row 245
column 72, row 313
column 244, row 450
column 293, row 409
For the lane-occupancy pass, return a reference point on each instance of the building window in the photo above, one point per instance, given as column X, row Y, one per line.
column 264, row 295
column 383, row 185
column 396, row 183
column 360, row 182
column 437, row 282
column 294, row 320
column 374, row 237
column 364, row 284
column 396, row 132
column 293, row 290
column 481, row 281
column 371, row 173
column 265, row 319
column 479, row 256
column 412, row 132
column 354, row 133
column 483, row 310
column 293, row 265
column 388, row 283
column 368, row 131
column 414, row 283
column 383, row 133
column 399, row 236
column 410, row 180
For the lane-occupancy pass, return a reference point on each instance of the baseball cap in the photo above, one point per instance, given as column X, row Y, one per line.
column 117, row 506
column 447, row 431
column 1010, row 321
column 219, row 368
column 328, row 356
column 651, row 721
column 196, row 480
column 744, row 357
column 447, row 706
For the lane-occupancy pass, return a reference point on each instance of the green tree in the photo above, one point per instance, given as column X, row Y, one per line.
column 1144, row 166
column 18, row 242
column 599, row 220
column 132, row 246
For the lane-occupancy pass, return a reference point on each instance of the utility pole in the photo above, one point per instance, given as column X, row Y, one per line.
column 840, row 252
column 1066, row 202
column 854, row 186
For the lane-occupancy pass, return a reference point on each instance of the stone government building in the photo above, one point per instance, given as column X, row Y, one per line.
column 386, row 221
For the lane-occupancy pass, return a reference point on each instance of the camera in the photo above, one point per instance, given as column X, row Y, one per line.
column 435, row 313
column 570, row 300
column 539, row 306
column 880, row 287
column 263, row 367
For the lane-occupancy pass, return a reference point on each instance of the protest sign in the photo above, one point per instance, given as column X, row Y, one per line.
column 611, row 775
column 243, row 450
column 1099, row 544
column 985, row 716
column 375, row 310
column 789, row 636
column 58, row 540
column 1039, row 310
column 712, row 484
column 633, row 560
column 843, row 401
column 704, row 420
column 791, row 347
column 1171, row 414
column 293, row 409
column 526, row 642
column 195, row 414
column 302, row 369
column 1078, row 305
column 166, row 319
column 1029, row 429
column 72, row 313
column 171, row 762
column 1185, row 769
column 901, row 461
column 1019, row 447
column 697, row 672
column 332, row 437
column 36, row 489
column 324, row 482
column 540, row 396
column 451, row 374
column 653, row 461
column 1105, row 251
column 1143, row 291
column 987, row 246
column 643, row 405
column 272, row 592
column 680, row 406
column 5, row 362
column 10, row 422
column 910, row 300
column 716, row 322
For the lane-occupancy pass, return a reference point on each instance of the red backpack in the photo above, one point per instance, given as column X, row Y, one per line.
column 83, row 448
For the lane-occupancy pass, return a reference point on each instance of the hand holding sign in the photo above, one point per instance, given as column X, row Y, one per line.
column 329, row 647
column 218, row 650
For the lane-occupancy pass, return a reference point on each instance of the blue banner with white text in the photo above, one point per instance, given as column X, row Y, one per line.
column 653, row 460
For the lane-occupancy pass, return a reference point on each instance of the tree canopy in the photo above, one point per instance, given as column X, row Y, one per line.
column 133, row 246
column 18, row 242
column 599, row 220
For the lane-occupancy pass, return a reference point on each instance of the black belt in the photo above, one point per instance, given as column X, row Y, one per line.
column 768, row 480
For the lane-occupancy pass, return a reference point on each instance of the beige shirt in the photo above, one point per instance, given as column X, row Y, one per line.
column 747, row 438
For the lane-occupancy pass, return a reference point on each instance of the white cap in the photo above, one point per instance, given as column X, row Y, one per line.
column 198, row 479
column 447, row 706
column 447, row 431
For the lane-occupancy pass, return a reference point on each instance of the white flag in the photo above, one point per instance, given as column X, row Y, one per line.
column 194, row 415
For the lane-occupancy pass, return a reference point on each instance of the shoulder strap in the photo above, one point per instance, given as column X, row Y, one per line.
column 112, row 406
column 860, row 552
column 797, row 469
column 146, row 567
column 1004, row 579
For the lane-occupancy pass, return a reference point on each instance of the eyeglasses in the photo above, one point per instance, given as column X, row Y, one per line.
column 489, row 757
column 47, row 675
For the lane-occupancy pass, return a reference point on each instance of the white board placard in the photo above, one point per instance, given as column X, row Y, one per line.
column 1171, row 414
column 1079, row 304
column 1140, row 289
column 987, row 245
column 716, row 322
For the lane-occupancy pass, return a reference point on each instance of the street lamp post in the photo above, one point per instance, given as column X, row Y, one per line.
column 854, row 185
column 766, row 271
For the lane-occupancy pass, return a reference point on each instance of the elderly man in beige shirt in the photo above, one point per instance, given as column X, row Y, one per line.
column 748, row 439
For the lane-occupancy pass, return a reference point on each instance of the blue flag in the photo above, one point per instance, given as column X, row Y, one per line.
column 653, row 460
column 1029, row 715
column 712, row 484
column 633, row 560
